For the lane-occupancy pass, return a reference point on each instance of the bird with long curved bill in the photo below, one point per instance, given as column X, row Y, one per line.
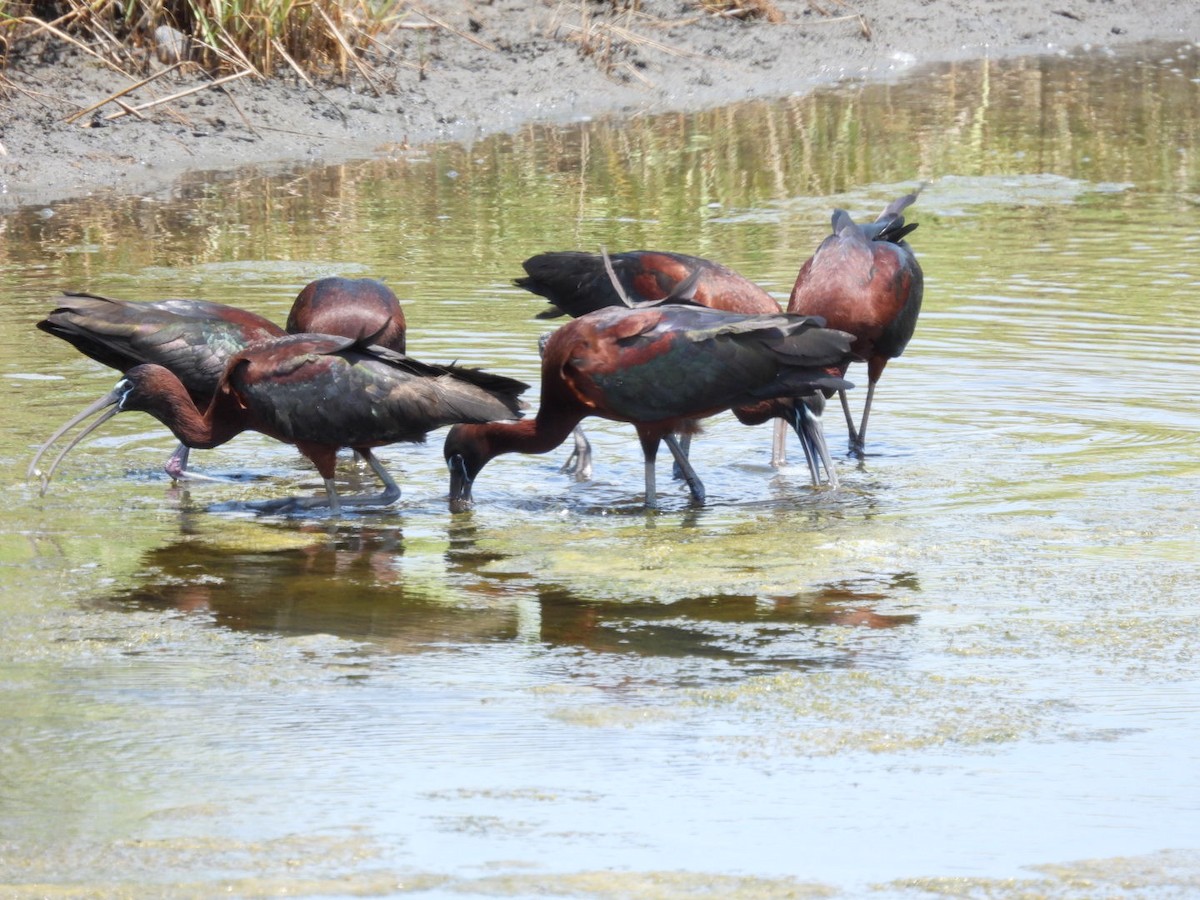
column 319, row 393
column 195, row 339
column 660, row 368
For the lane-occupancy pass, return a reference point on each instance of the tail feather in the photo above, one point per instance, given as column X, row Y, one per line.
column 499, row 388
column 571, row 281
column 813, row 346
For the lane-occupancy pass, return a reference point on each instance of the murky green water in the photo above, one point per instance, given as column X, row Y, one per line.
column 972, row 671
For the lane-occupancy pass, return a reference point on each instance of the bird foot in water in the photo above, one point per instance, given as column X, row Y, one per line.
column 578, row 464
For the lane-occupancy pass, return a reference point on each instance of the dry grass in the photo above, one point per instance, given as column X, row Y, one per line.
column 338, row 38
column 746, row 9
column 322, row 37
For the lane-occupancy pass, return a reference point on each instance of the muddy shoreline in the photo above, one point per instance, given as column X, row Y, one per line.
column 493, row 67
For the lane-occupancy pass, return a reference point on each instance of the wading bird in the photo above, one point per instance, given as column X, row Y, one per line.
column 195, row 339
column 319, row 393
column 359, row 308
column 577, row 283
column 865, row 280
column 659, row 368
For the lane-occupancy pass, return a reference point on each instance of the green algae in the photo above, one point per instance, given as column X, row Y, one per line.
column 1163, row 875
column 828, row 713
column 667, row 885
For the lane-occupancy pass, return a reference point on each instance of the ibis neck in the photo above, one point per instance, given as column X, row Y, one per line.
column 223, row 420
column 537, row 435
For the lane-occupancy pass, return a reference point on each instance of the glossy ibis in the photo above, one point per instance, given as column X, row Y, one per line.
column 359, row 308
column 319, row 393
column 659, row 368
column 576, row 283
column 196, row 338
column 865, row 279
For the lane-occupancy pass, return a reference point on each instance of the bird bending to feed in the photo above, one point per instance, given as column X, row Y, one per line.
column 865, row 279
column 319, row 393
column 576, row 283
column 658, row 368
column 195, row 339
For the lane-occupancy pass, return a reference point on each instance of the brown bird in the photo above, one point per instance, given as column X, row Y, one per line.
column 865, row 279
column 195, row 339
column 659, row 368
column 577, row 283
column 319, row 393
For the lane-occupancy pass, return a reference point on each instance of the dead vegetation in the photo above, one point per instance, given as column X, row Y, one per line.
column 328, row 40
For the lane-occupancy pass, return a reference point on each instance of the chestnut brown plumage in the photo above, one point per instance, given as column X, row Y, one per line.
column 865, row 279
column 359, row 308
column 576, row 283
column 319, row 393
column 195, row 339
column 659, row 368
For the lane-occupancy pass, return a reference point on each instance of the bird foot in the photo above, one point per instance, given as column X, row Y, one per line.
column 579, row 465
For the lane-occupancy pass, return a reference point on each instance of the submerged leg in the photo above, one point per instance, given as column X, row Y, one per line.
column 649, row 455
column 335, row 502
column 580, row 456
column 391, row 490
column 684, row 466
column 176, row 467
column 651, row 485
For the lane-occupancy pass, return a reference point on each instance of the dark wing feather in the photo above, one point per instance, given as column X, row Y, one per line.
column 697, row 360
column 191, row 338
column 325, row 390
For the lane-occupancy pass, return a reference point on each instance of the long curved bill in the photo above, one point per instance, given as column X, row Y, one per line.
column 460, row 484
column 111, row 399
column 806, row 422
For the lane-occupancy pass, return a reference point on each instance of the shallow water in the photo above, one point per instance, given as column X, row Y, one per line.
column 971, row 671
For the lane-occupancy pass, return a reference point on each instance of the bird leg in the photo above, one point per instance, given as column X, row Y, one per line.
column 685, row 447
column 651, row 484
column 176, row 467
column 335, row 502
column 855, row 446
column 779, row 444
column 858, row 443
column 695, row 485
column 807, row 425
column 391, row 490
column 177, row 470
column 581, row 456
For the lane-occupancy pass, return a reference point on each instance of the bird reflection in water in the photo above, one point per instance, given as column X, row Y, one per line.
column 744, row 628
column 353, row 584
